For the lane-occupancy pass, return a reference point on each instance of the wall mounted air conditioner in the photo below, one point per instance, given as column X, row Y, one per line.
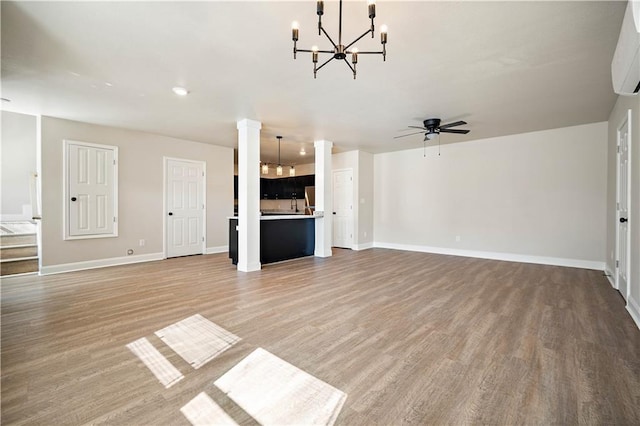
column 625, row 67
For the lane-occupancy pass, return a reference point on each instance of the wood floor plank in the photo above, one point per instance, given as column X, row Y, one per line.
column 411, row 338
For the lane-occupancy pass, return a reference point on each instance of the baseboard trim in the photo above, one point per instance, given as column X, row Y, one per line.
column 633, row 308
column 101, row 263
column 214, row 250
column 508, row 257
column 364, row 246
column 610, row 276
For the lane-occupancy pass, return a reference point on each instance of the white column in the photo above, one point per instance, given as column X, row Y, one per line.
column 249, row 195
column 324, row 198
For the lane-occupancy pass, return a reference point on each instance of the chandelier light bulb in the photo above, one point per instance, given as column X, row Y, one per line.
column 314, row 48
column 295, row 25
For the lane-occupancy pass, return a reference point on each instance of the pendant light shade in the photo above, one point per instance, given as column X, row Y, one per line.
column 265, row 169
column 292, row 171
column 279, row 168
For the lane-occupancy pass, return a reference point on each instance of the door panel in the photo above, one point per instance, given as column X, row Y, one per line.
column 343, row 209
column 185, row 208
column 91, row 190
column 622, row 257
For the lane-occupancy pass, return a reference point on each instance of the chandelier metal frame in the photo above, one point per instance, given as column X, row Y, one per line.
column 340, row 51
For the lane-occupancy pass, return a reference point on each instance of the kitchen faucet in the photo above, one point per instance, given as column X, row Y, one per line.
column 294, row 200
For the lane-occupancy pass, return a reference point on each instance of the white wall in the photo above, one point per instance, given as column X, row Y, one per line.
column 18, row 149
column 537, row 197
column 140, row 198
column 623, row 104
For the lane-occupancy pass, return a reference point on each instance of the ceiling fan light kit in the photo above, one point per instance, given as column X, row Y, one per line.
column 340, row 51
column 431, row 128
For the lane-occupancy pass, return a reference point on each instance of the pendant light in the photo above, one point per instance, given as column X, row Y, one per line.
column 265, row 169
column 292, row 171
column 279, row 168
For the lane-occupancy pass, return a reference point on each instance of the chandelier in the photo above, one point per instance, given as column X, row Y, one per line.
column 340, row 51
column 264, row 167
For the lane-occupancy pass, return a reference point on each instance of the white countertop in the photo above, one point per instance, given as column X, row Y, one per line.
column 283, row 216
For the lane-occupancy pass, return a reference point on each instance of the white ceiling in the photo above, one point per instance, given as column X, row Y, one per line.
column 504, row 67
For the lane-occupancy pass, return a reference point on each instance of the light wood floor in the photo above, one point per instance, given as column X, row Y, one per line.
column 412, row 338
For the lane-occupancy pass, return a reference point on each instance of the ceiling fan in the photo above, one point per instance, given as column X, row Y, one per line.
column 432, row 128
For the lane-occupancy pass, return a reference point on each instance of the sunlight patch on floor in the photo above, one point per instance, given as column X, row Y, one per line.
column 202, row 410
column 275, row 392
column 197, row 340
column 164, row 371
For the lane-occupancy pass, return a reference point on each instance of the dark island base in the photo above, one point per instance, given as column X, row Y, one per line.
column 280, row 239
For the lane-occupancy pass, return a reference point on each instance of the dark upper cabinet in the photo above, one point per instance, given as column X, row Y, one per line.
column 264, row 193
column 285, row 188
column 235, row 187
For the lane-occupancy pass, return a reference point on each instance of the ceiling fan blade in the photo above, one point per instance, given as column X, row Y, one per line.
column 463, row 132
column 457, row 123
column 417, row 127
column 409, row 134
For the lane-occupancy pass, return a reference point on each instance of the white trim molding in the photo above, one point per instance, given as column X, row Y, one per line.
column 610, row 276
column 633, row 308
column 509, row 257
column 363, row 246
column 219, row 249
column 100, row 263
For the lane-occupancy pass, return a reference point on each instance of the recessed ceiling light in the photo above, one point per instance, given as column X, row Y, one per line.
column 180, row 91
column 106, row 83
column 302, row 151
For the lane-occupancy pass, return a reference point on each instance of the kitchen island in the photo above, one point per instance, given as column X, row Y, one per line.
column 282, row 237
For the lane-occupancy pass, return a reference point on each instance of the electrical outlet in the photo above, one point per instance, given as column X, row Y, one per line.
column 141, row 243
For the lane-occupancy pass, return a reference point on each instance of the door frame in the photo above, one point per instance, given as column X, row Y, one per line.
column 66, row 235
column 626, row 121
column 165, row 235
column 353, row 204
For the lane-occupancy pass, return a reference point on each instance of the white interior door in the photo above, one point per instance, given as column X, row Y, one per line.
column 622, row 262
column 343, row 208
column 91, row 192
column 185, row 207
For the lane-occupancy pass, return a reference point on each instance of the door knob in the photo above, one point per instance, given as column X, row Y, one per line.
column 623, row 220
column 73, row 198
column 170, row 213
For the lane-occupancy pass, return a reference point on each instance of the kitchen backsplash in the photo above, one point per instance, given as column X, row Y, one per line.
column 281, row 205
